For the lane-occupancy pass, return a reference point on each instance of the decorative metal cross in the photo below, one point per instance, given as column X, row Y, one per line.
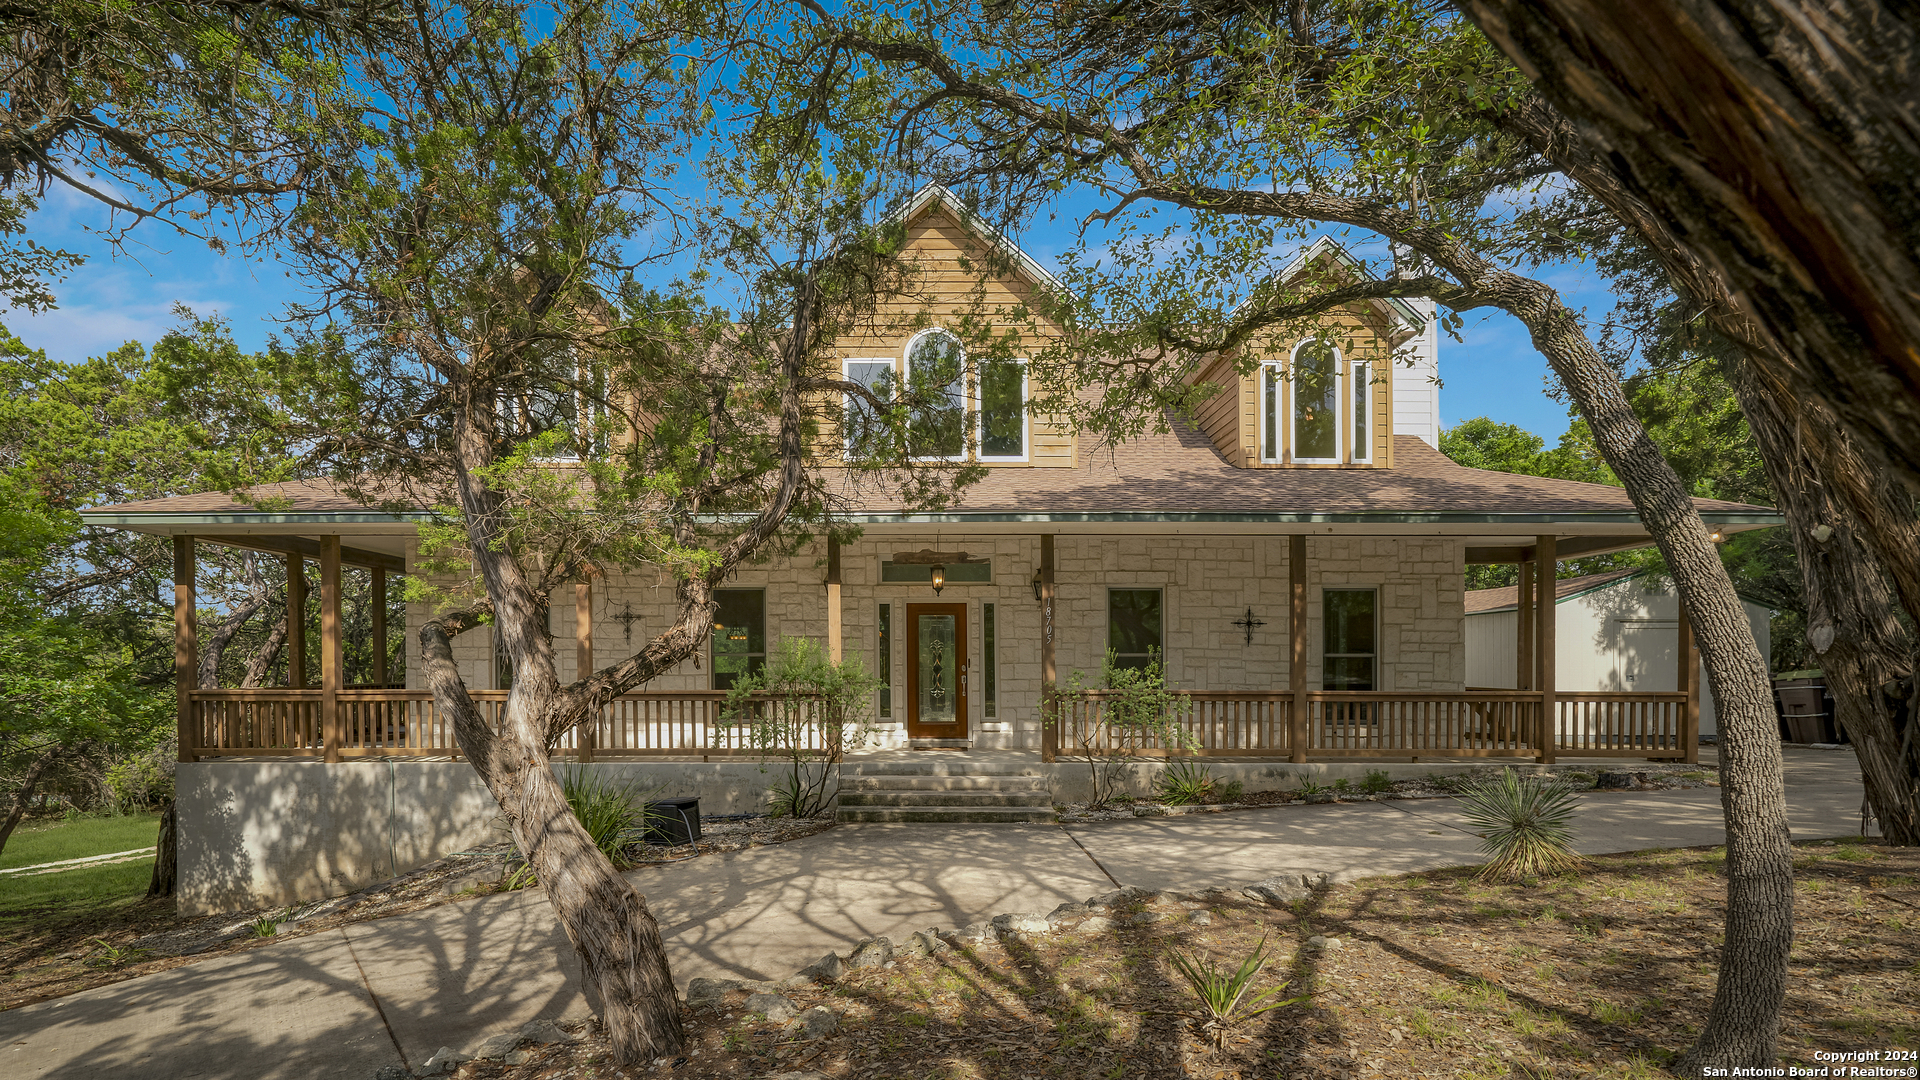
column 1248, row 624
column 626, row 619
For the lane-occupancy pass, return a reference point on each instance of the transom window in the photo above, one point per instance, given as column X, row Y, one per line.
column 1351, row 627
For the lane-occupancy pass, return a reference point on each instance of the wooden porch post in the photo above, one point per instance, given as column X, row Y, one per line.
column 1689, row 684
column 378, row 601
column 332, row 656
column 296, row 622
column 1050, row 718
column 1297, row 636
column 836, row 645
column 583, row 656
column 1523, row 667
column 186, row 645
column 1546, row 559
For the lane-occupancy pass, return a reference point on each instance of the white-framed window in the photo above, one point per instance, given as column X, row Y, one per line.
column 1002, row 417
column 863, row 430
column 1272, row 393
column 936, row 374
column 1360, row 412
column 977, row 409
column 1316, row 396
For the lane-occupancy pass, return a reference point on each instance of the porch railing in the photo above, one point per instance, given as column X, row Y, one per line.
column 382, row 722
column 1385, row 724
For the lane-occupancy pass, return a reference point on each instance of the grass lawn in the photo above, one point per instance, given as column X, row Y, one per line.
column 45, row 908
column 56, row 840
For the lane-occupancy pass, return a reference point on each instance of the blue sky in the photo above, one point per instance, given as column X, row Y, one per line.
column 118, row 298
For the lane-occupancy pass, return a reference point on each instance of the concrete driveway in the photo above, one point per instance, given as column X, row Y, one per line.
column 349, row 1001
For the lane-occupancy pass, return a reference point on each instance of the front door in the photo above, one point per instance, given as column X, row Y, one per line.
column 937, row 671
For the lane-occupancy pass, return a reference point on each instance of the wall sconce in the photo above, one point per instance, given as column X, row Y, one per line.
column 939, row 579
column 1036, row 584
column 1716, row 536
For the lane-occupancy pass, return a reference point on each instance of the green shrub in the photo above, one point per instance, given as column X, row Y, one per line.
column 1229, row 790
column 1184, row 783
column 142, row 781
column 1377, row 782
column 608, row 809
column 1525, row 823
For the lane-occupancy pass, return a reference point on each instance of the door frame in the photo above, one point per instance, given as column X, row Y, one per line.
column 962, row 725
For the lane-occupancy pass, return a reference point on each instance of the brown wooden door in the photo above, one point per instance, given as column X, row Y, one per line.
column 937, row 671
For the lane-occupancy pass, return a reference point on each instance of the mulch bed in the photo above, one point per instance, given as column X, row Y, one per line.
column 1634, row 777
column 85, row 949
column 1607, row 971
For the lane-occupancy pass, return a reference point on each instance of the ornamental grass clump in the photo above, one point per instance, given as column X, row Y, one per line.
column 1223, row 993
column 1524, row 822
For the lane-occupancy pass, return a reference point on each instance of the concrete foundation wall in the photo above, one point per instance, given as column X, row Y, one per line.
column 260, row 834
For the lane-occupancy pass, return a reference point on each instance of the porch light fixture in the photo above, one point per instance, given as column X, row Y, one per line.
column 1716, row 536
column 939, row 578
column 1036, row 584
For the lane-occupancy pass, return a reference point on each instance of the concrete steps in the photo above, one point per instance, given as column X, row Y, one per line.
column 943, row 791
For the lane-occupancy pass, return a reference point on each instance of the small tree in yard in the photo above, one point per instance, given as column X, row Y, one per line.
column 1137, row 710
column 806, row 712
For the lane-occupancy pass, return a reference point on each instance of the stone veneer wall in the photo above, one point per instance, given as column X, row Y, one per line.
column 1209, row 582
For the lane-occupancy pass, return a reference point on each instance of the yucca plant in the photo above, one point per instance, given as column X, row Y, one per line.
column 1524, row 822
column 1223, row 994
column 1185, row 783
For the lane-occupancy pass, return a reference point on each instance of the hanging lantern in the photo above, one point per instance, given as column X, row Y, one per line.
column 939, row 579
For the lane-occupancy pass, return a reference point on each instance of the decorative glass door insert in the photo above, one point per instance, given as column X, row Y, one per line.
column 937, row 670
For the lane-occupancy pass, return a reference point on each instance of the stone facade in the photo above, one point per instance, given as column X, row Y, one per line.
column 1208, row 583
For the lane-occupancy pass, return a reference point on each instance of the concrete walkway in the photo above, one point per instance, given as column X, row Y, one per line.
column 349, row 1001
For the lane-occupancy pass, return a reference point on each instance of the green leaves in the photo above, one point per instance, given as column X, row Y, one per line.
column 1223, row 994
column 1524, row 822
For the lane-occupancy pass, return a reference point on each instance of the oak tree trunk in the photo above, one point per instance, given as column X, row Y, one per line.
column 1743, row 1024
column 166, row 856
column 24, row 796
column 1847, row 598
column 1777, row 140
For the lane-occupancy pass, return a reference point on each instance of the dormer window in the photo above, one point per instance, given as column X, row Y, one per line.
column 1314, row 409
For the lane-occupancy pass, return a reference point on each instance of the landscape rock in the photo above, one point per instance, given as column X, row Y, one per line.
column 828, row 968
column 976, row 932
column 546, row 1033
column 704, row 993
column 1327, row 944
column 444, row 1060
column 1620, row 780
column 774, row 1007
column 393, row 1072
column 816, row 1023
column 1284, row 890
column 1068, row 913
column 1145, row 917
column 1021, row 922
column 1201, row 918
column 518, row 1057
column 925, row 943
column 1322, row 797
column 871, row 954
column 1098, row 924
column 497, row 1047
column 1117, row 897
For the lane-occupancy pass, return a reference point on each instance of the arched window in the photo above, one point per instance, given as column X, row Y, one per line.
column 936, row 377
column 1316, row 402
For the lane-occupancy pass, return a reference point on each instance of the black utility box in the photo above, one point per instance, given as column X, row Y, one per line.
column 673, row 821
